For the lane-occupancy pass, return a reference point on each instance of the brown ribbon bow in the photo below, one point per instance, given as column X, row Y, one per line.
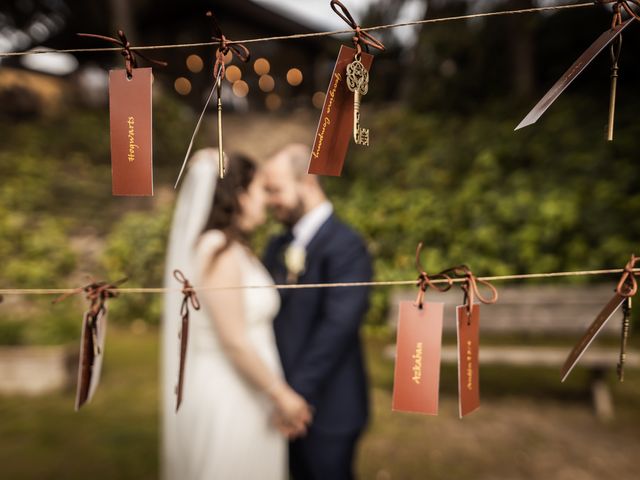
column 628, row 286
column 225, row 47
column 470, row 288
column 624, row 4
column 189, row 293
column 97, row 294
column 190, row 297
column 360, row 36
column 471, row 291
column 129, row 55
column 425, row 281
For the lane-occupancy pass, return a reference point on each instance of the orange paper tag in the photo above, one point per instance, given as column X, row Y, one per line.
column 335, row 129
column 468, row 359
column 131, row 142
column 417, row 372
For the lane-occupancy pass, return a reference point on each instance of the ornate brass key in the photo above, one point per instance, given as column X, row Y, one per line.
column 220, row 151
column 626, row 320
column 358, row 83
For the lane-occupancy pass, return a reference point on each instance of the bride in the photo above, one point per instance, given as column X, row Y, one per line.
column 237, row 411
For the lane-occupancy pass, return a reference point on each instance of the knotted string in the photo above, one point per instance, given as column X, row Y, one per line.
column 624, row 4
column 360, row 36
column 189, row 293
column 471, row 291
column 97, row 294
column 425, row 281
column 628, row 286
column 129, row 55
column 470, row 288
column 225, row 46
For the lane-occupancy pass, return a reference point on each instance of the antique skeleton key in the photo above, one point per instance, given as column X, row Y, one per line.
column 358, row 83
column 220, row 151
column 626, row 320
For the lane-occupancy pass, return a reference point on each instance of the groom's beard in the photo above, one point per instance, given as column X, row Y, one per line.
column 289, row 217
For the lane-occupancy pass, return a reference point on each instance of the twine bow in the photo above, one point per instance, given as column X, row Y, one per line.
column 628, row 286
column 360, row 36
column 225, row 47
column 127, row 52
column 425, row 281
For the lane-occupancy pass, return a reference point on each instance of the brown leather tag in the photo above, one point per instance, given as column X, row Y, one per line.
column 131, row 138
column 91, row 355
column 418, row 346
column 335, row 128
column 184, row 339
column 605, row 314
column 570, row 75
column 468, row 360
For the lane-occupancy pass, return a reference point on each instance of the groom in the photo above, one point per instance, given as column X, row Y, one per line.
column 317, row 329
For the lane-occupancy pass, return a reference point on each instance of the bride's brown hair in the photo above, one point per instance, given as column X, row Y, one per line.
column 226, row 208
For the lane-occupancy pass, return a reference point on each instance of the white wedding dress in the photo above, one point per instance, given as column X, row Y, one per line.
column 223, row 430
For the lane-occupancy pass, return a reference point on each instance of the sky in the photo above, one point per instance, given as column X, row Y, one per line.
column 318, row 14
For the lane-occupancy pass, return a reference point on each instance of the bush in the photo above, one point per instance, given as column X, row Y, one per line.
column 135, row 248
column 555, row 197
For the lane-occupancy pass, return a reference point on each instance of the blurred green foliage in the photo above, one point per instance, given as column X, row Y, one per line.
column 33, row 245
column 135, row 248
column 41, row 323
column 551, row 198
column 55, row 196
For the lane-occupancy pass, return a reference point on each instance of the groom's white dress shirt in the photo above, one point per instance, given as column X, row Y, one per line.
column 310, row 223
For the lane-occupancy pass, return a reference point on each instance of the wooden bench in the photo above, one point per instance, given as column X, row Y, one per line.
column 539, row 312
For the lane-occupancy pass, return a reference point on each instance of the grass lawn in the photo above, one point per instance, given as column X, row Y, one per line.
column 113, row 437
column 529, row 427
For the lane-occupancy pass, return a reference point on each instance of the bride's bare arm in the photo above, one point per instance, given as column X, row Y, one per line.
column 226, row 308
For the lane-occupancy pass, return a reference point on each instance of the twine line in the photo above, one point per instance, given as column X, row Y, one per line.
column 309, row 35
column 154, row 290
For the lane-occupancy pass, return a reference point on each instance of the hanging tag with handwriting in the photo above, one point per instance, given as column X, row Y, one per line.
column 335, row 128
column 468, row 359
column 570, row 75
column 94, row 329
column 596, row 326
column 131, row 132
column 418, row 346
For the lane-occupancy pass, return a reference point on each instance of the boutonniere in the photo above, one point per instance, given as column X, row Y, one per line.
column 295, row 258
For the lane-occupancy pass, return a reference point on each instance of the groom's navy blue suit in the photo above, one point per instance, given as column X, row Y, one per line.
column 317, row 332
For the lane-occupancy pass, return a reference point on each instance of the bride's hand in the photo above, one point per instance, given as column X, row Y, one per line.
column 293, row 414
